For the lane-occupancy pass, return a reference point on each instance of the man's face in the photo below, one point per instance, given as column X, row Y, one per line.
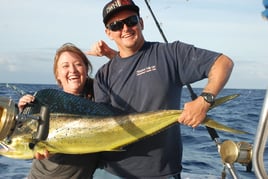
column 129, row 36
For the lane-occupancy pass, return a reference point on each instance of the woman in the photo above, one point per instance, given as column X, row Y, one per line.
column 71, row 69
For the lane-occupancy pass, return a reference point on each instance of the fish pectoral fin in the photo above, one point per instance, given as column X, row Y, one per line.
column 216, row 125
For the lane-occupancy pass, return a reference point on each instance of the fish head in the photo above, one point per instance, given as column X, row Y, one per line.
column 17, row 148
column 8, row 112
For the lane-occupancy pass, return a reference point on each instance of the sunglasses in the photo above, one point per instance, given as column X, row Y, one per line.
column 119, row 25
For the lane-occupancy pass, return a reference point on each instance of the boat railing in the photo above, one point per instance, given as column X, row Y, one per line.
column 260, row 141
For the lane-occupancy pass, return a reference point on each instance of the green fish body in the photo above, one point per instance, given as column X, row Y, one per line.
column 96, row 128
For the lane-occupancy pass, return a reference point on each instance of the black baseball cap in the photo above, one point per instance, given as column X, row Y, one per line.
column 116, row 6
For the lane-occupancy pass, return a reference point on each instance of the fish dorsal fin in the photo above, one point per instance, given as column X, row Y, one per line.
column 62, row 102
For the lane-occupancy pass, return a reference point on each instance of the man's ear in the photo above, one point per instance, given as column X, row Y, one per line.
column 141, row 23
column 108, row 33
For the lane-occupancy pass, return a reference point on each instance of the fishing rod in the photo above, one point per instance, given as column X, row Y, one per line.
column 193, row 95
column 228, row 147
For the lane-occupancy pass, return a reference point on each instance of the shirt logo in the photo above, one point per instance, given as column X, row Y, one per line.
column 145, row 70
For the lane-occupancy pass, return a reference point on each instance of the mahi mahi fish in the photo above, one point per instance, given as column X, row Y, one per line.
column 77, row 126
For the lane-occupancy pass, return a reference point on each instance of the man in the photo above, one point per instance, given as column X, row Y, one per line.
column 146, row 76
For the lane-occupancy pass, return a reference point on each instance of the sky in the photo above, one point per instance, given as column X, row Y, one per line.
column 32, row 30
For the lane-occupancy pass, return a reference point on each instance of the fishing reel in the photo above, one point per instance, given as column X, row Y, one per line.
column 11, row 118
column 236, row 152
column 8, row 111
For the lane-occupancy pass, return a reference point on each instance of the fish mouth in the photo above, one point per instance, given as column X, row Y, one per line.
column 3, row 148
column 8, row 113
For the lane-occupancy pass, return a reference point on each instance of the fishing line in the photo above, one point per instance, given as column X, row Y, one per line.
column 16, row 89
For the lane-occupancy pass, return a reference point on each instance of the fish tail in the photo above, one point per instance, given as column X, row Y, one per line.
column 214, row 124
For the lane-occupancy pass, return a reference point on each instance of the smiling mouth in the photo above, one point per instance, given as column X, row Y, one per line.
column 129, row 34
column 73, row 78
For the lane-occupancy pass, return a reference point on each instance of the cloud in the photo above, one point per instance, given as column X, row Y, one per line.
column 7, row 64
column 26, row 66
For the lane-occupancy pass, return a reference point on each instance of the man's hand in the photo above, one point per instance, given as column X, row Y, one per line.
column 101, row 49
column 194, row 112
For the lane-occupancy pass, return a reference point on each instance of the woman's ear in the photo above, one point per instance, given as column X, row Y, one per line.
column 58, row 81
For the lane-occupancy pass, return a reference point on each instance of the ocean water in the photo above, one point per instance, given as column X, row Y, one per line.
column 200, row 156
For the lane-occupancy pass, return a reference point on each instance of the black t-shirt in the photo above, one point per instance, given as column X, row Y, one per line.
column 149, row 80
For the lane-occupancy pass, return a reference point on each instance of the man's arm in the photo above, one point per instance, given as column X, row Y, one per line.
column 195, row 111
column 219, row 75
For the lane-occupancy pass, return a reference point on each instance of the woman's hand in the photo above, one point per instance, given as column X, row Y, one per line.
column 24, row 100
column 40, row 156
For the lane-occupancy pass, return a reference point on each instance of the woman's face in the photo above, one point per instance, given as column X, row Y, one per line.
column 71, row 73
